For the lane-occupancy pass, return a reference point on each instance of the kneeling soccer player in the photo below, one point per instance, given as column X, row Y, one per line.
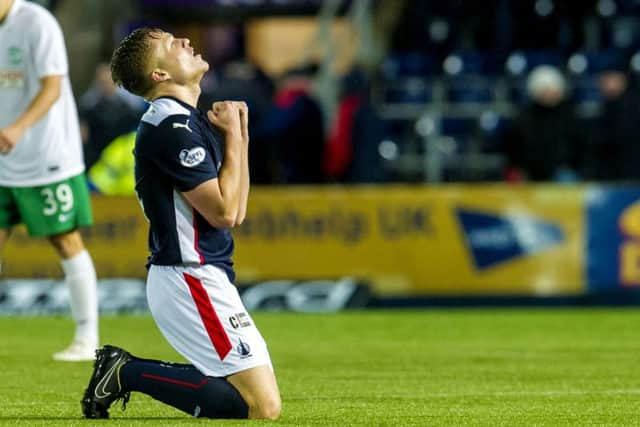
column 192, row 179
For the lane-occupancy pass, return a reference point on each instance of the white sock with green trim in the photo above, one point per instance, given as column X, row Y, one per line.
column 80, row 277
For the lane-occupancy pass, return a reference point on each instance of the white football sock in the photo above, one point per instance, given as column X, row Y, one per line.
column 80, row 277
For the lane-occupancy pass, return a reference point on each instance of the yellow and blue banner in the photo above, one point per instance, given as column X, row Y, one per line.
column 406, row 240
column 450, row 240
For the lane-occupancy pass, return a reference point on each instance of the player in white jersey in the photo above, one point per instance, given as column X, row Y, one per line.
column 42, row 181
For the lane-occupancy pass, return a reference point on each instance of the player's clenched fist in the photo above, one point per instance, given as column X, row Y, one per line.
column 244, row 119
column 225, row 116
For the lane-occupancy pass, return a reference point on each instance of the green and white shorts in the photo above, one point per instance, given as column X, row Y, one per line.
column 48, row 209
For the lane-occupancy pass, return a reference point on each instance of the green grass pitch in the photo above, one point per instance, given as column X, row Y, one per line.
column 375, row 368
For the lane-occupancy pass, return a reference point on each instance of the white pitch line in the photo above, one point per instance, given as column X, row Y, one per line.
column 611, row 392
column 535, row 393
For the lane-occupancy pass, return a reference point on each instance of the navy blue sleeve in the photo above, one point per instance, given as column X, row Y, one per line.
column 182, row 154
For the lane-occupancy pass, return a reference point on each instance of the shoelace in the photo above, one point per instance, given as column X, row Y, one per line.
column 125, row 399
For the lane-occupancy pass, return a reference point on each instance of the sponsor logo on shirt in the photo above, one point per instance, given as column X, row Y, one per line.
column 193, row 157
column 12, row 79
column 15, row 55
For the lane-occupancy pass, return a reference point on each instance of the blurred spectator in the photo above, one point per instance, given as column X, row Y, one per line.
column 548, row 24
column 351, row 152
column 500, row 26
column 242, row 80
column 106, row 112
column 112, row 174
column 294, row 125
column 543, row 143
column 616, row 153
column 437, row 28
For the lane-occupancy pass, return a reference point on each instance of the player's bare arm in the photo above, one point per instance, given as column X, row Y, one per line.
column 47, row 96
column 244, row 178
column 217, row 200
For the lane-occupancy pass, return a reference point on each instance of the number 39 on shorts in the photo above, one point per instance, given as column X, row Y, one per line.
column 48, row 209
column 58, row 199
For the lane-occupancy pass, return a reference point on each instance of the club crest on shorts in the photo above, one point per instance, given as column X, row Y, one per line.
column 244, row 350
column 193, row 157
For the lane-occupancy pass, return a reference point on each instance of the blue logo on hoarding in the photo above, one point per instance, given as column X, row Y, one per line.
column 496, row 239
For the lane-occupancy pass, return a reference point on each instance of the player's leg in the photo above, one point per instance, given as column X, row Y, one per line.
column 259, row 389
column 252, row 393
column 229, row 343
column 80, row 278
column 9, row 216
column 117, row 373
column 55, row 211
column 4, row 235
column 200, row 313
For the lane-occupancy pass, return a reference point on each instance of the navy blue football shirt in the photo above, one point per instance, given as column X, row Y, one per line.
column 177, row 149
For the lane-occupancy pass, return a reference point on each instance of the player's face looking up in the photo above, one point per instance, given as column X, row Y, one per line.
column 173, row 59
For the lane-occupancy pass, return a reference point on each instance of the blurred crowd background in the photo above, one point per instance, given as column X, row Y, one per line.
column 367, row 91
